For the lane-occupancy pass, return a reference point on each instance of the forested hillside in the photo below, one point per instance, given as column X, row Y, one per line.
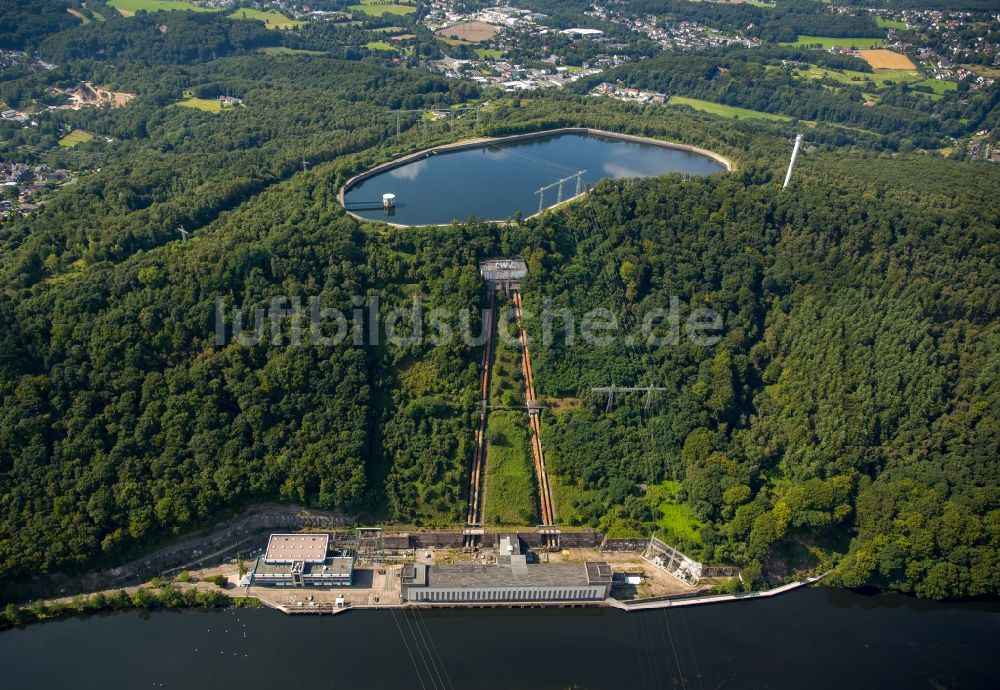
column 846, row 417
column 851, row 393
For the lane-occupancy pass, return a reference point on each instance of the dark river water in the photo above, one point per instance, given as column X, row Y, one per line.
column 495, row 182
column 817, row 638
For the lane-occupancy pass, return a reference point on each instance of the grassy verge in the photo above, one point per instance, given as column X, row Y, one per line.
column 510, row 480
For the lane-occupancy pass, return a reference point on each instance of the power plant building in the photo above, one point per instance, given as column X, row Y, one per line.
column 301, row 560
column 515, row 581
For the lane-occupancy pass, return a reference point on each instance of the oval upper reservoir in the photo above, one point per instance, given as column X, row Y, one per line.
column 496, row 180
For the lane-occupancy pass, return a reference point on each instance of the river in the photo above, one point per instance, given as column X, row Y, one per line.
column 494, row 182
column 814, row 638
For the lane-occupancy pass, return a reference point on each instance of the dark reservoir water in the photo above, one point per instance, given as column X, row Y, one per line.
column 496, row 181
column 815, row 638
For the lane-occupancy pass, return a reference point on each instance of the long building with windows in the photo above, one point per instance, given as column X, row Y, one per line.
column 514, row 581
column 301, row 560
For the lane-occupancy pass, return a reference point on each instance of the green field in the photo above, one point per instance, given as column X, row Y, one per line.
column 938, row 86
column 879, row 77
column 378, row 9
column 77, row 136
column 209, row 105
column 674, row 519
column 488, row 53
column 890, row 23
column 273, row 20
column 827, row 42
column 510, row 480
column 129, row 7
column 726, row 110
column 282, row 50
column 379, row 45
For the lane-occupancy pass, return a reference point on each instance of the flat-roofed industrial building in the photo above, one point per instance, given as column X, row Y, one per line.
column 503, row 274
column 302, row 560
column 470, row 583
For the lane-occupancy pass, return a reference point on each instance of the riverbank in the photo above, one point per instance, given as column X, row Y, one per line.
column 214, row 589
column 148, row 598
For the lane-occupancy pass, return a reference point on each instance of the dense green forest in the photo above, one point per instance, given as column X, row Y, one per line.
column 852, row 390
column 24, row 23
column 847, row 415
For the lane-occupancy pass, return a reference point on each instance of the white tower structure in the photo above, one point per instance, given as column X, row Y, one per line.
column 791, row 163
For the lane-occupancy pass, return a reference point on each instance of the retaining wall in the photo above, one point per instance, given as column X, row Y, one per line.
column 624, row 544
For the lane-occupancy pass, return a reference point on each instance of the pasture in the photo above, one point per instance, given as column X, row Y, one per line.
column 128, row 8
column 890, row 23
column 827, row 42
column 208, row 105
column 729, row 111
column 273, row 20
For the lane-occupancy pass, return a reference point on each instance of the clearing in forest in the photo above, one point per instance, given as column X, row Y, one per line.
column 77, row 136
column 209, row 105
